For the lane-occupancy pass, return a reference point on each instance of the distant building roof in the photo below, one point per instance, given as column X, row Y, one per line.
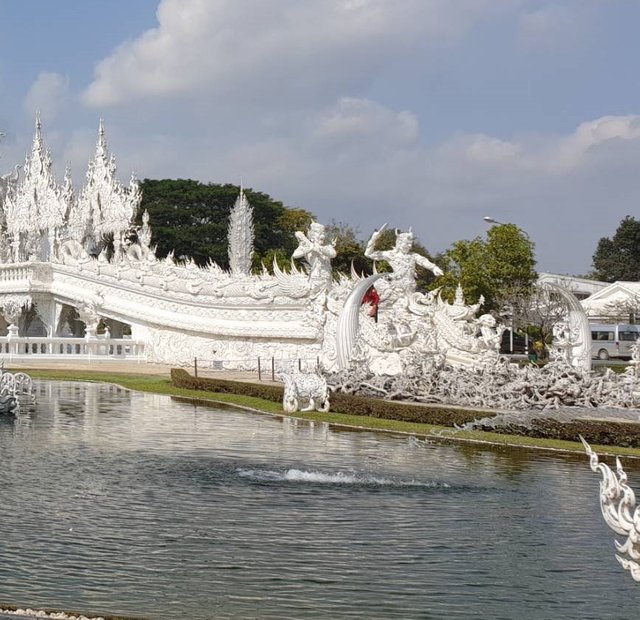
column 580, row 287
column 617, row 301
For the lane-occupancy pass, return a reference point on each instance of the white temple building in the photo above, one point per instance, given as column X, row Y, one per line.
column 79, row 277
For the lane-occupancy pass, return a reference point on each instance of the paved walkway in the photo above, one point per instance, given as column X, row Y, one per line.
column 102, row 366
column 124, row 366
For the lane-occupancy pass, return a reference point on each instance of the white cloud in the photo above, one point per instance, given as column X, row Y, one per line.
column 48, row 94
column 294, row 98
column 280, row 49
column 569, row 152
column 485, row 149
column 556, row 26
column 362, row 120
column 541, row 155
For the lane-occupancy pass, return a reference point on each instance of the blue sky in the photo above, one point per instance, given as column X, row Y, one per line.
column 422, row 113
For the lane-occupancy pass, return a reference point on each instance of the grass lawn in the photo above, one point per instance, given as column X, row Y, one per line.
column 162, row 385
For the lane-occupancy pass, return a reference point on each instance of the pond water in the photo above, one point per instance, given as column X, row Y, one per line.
column 135, row 504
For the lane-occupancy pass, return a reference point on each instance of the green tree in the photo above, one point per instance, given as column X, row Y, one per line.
column 349, row 248
column 465, row 263
column 192, row 218
column 290, row 221
column 424, row 277
column 501, row 269
column 277, row 255
column 510, row 263
column 618, row 258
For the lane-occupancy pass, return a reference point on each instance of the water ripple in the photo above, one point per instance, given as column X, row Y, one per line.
column 297, row 475
column 123, row 503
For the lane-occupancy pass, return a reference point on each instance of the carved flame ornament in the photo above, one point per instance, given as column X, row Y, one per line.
column 618, row 505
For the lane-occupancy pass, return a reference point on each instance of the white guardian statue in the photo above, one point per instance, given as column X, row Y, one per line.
column 403, row 261
column 317, row 254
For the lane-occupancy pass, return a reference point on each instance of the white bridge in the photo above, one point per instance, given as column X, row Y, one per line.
column 146, row 310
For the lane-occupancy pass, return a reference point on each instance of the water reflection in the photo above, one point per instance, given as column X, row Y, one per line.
column 120, row 502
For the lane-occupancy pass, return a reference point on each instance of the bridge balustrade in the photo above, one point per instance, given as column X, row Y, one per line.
column 78, row 348
column 16, row 273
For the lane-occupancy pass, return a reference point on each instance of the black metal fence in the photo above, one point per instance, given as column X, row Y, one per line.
column 265, row 367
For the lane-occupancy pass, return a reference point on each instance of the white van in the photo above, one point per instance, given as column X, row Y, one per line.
column 613, row 340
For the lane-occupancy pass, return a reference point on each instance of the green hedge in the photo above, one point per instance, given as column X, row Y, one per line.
column 342, row 403
column 600, row 432
column 596, row 432
column 181, row 378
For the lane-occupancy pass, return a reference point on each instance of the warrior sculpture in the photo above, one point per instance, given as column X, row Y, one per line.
column 402, row 282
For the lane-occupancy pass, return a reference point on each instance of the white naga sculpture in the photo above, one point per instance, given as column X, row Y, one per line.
column 15, row 388
column 618, row 505
column 571, row 335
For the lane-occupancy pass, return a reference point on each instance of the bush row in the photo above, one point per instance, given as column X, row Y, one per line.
column 598, row 432
column 181, row 378
column 601, row 432
column 343, row 403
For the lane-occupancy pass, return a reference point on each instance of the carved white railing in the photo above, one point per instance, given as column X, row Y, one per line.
column 67, row 348
column 17, row 273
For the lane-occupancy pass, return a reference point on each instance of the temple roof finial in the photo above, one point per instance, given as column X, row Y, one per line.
column 101, row 145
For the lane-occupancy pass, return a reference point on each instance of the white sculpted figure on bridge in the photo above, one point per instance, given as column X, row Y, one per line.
column 317, row 253
column 144, row 233
column 490, row 333
column 403, row 261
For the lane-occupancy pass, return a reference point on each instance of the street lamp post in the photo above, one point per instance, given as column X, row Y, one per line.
column 490, row 220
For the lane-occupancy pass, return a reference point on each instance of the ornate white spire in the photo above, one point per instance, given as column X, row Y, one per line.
column 241, row 236
column 105, row 206
column 35, row 210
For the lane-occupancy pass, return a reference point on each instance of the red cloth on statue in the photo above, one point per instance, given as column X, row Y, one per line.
column 372, row 298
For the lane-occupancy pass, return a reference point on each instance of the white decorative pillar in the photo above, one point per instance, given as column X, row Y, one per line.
column 57, row 315
column 46, row 309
